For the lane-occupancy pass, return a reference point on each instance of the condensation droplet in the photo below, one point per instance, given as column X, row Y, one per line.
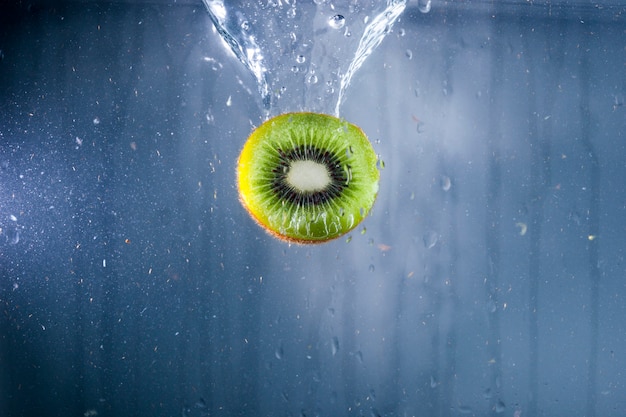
column 335, row 345
column 372, row 268
column 500, row 407
column 401, row 32
column 464, row 409
column 409, row 54
column 311, row 79
column 337, row 21
column 424, row 5
column 300, row 59
column 446, row 183
column 430, row 239
column 278, row 353
column 13, row 236
column 245, row 26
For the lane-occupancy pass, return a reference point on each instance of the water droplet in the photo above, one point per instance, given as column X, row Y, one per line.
column 401, row 32
column 372, row 268
column 430, row 239
column 433, row 382
column 464, row 409
column 13, row 236
column 245, row 26
column 424, row 5
column 294, row 69
column 311, row 79
column 500, row 407
column 373, row 394
column 409, row 54
column 334, row 345
column 337, row 21
column 96, row 120
column 446, row 183
column 487, row 393
column 278, row 353
column 300, row 59
column 380, row 163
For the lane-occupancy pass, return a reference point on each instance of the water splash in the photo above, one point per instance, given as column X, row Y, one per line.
column 303, row 56
column 373, row 35
column 234, row 28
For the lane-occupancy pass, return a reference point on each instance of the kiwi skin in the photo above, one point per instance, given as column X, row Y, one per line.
column 341, row 147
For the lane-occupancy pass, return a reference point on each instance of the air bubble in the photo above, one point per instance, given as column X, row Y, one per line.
column 337, row 21
column 424, row 5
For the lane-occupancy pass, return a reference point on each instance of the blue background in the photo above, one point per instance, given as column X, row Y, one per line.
column 133, row 283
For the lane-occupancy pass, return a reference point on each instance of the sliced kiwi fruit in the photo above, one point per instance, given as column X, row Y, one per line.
column 307, row 177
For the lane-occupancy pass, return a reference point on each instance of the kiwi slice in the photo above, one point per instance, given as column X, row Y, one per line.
column 307, row 177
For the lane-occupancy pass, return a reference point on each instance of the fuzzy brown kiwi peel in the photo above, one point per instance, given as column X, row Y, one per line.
column 307, row 177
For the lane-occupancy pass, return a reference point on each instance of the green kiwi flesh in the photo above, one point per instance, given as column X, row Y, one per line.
column 307, row 177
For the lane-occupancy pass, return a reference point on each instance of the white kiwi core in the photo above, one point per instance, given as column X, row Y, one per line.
column 308, row 176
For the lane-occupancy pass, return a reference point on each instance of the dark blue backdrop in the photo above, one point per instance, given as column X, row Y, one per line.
column 489, row 279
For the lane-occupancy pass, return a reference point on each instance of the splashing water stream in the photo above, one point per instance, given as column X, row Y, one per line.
column 303, row 55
